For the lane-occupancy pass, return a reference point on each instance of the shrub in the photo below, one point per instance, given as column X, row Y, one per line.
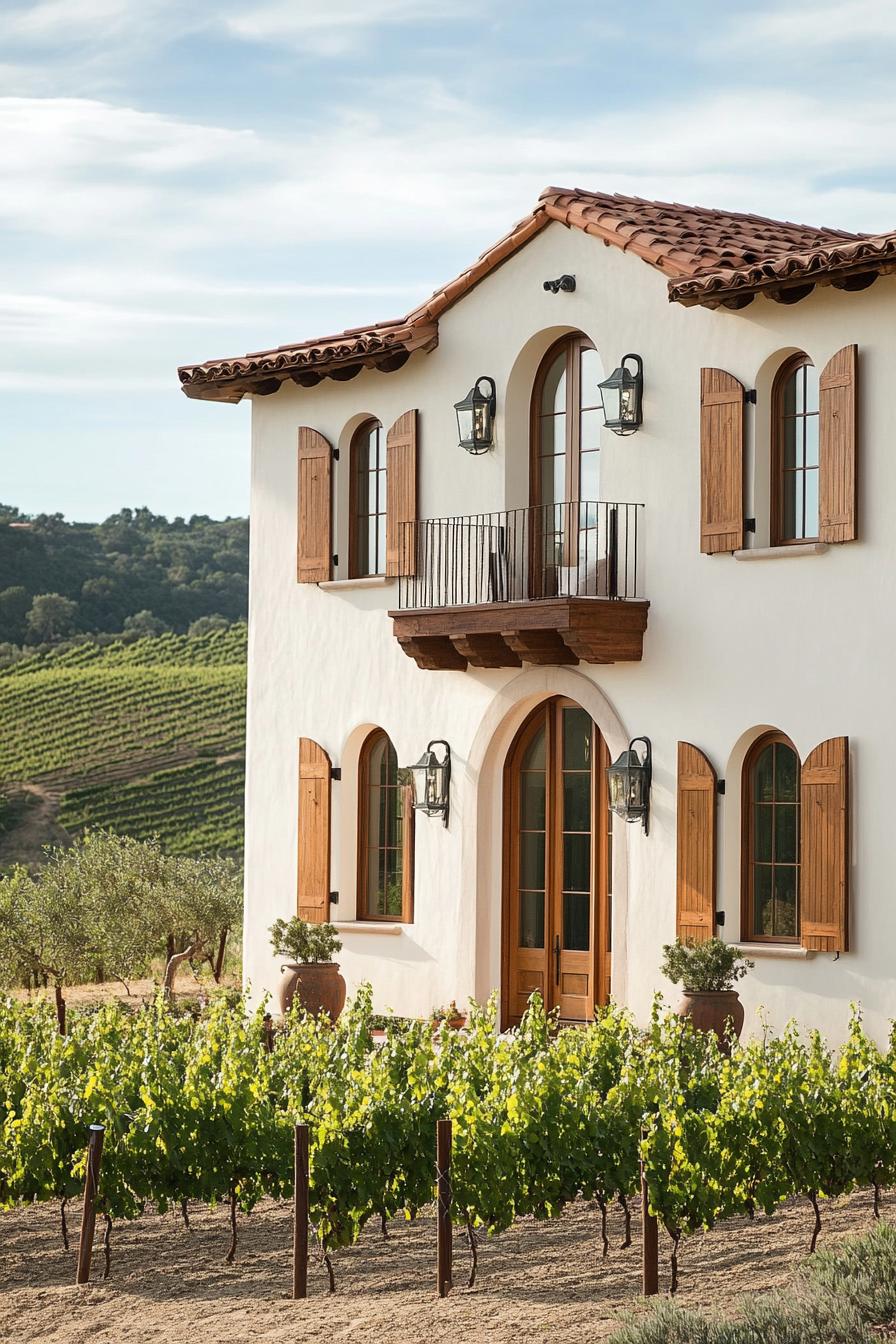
column 705, row 967
column 304, row 942
column 861, row 1272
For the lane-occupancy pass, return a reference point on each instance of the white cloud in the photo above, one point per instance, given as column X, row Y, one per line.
column 816, row 25
column 337, row 26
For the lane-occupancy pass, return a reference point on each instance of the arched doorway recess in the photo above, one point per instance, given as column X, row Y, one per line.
column 557, row 862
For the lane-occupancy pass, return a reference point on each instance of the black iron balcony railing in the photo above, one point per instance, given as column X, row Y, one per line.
column 578, row 549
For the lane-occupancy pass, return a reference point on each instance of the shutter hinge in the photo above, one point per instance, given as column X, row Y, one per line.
column 335, row 451
column 336, row 772
column 749, row 524
column 334, row 897
column 720, row 918
column 335, row 561
column 749, row 396
column 720, row 786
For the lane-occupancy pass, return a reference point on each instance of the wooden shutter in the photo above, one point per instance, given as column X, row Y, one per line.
column 314, row 832
column 315, row 507
column 401, row 494
column 837, row 447
column 721, row 462
column 695, row 910
column 824, row 847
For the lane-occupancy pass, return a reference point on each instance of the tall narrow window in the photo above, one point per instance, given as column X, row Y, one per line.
column 385, row 860
column 795, row 453
column 566, row 418
column 771, row 841
column 367, row 547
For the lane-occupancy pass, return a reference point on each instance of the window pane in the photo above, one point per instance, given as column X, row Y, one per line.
column 532, row 801
column 811, row 519
column 532, row 860
column 363, row 546
column 531, row 919
column 763, row 776
column 371, row 492
column 577, row 863
column 589, row 487
column 553, row 479
column 576, row 922
column 811, row 423
column 534, row 757
column 762, row 832
column 811, row 387
column 792, row 433
column 786, row 832
column 381, row 547
column 763, row 912
column 789, row 400
column 592, row 375
column 785, row 902
column 576, row 740
column 786, row 773
column 577, row 802
column 792, row 511
column 553, row 396
column 590, row 422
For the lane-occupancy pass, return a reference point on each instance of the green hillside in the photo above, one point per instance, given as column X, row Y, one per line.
column 142, row 738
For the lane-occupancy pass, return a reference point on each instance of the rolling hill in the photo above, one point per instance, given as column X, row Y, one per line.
column 143, row 738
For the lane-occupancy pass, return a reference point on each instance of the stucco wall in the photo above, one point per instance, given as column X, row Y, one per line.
column 802, row 644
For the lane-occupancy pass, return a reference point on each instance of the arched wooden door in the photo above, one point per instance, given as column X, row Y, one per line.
column 557, row 865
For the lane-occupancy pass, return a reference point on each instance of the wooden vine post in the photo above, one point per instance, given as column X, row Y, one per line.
column 88, row 1217
column 443, row 1216
column 300, row 1216
column 650, row 1265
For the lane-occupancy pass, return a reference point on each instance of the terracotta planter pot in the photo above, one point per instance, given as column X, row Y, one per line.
column 710, row 1010
column 318, row 984
column 452, row 1023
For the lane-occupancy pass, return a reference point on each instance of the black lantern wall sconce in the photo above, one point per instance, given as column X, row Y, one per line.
column 628, row 784
column 431, row 781
column 564, row 284
column 476, row 417
column 621, row 396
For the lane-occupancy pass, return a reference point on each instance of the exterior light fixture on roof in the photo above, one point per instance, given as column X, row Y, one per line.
column 620, row 396
column 628, row 784
column 476, row 417
column 431, row 781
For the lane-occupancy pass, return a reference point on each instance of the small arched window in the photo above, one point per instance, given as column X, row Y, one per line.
column 367, row 541
column 794, row 514
column 771, row 841
column 385, row 834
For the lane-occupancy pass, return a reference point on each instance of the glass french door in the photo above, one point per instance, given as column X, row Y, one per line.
column 557, row 865
column 565, row 464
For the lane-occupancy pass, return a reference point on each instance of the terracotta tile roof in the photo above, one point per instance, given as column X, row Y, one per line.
column 386, row 345
column 711, row 257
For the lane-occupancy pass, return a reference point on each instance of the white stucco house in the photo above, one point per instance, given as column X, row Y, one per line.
column 720, row 581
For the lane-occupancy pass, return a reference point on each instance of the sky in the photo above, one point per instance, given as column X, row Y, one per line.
column 181, row 180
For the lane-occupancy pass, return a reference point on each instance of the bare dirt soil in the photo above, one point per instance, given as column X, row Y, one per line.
column 536, row 1282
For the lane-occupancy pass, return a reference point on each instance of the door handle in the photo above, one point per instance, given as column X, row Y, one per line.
column 556, row 958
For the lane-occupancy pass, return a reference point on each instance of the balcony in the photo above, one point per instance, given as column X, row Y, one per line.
column 552, row 584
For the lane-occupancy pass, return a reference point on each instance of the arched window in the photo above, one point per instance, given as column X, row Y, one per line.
column 385, row 834
column 566, row 424
column 367, row 541
column 771, row 841
column 794, row 514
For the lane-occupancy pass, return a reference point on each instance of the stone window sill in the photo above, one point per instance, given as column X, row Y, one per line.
column 345, row 585
column 784, row 951
column 370, row 926
column 782, row 552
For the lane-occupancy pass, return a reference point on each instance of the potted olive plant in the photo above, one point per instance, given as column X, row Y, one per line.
column 707, row 973
column 310, row 970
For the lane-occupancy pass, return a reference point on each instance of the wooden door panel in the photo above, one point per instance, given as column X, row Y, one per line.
column 571, row 968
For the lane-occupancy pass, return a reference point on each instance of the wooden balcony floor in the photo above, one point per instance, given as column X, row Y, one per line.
column 549, row 631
